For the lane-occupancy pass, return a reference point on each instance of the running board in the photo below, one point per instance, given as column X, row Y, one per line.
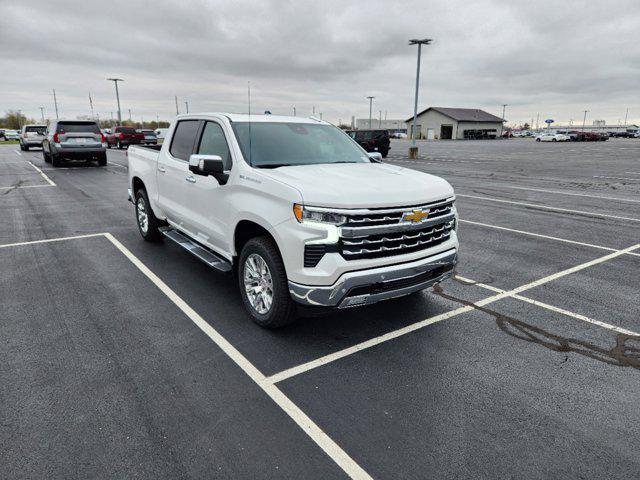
column 203, row 253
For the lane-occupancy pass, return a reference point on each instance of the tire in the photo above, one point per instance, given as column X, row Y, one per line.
column 538, row 140
column 384, row 153
column 46, row 157
column 55, row 160
column 108, row 145
column 102, row 159
column 147, row 225
column 119, row 145
column 554, row 140
column 282, row 310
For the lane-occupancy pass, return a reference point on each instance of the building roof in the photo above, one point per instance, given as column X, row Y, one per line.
column 464, row 114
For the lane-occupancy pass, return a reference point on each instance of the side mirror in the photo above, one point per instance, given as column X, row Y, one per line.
column 206, row 165
column 375, row 157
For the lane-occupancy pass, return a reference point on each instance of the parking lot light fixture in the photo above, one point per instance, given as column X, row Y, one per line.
column 413, row 150
column 370, row 106
column 584, row 119
column 115, row 81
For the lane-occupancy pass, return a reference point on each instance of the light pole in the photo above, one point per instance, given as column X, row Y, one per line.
column 626, row 114
column 42, row 113
column 584, row 119
column 115, row 81
column 413, row 150
column 186, row 104
column 504, row 107
column 294, row 111
column 380, row 119
column 176, row 99
column 55, row 102
column 370, row 107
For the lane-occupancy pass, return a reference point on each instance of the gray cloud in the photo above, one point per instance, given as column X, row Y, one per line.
column 552, row 58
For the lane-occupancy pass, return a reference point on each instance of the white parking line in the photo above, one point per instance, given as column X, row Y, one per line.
column 552, row 308
column 51, row 183
column 48, row 240
column 618, row 199
column 332, row 357
column 321, row 439
column 616, row 178
column 18, row 152
column 545, row 207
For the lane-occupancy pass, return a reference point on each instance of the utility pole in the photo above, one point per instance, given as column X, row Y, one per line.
column 320, row 115
column 313, row 111
column 157, row 121
column 370, row 106
column 130, row 115
column 380, row 119
column 294, row 111
column 584, row 119
column 115, row 81
column 413, row 150
column 504, row 107
column 186, row 104
column 177, row 111
column 55, row 102
column 385, row 115
column 42, row 113
column 537, row 121
column 626, row 114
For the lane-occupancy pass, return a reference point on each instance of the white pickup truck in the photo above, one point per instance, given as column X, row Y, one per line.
column 296, row 210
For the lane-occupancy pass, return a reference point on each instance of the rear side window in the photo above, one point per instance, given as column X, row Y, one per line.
column 184, row 138
column 78, row 127
column 213, row 142
column 127, row 130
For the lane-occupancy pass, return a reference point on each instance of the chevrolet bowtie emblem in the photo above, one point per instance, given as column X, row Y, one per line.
column 416, row 216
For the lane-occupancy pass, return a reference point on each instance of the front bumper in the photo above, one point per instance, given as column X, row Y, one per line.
column 365, row 287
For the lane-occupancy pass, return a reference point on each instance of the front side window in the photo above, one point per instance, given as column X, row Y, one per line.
column 213, row 142
column 274, row 144
column 183, row 139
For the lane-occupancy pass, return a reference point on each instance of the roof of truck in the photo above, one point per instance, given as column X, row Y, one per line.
column 243, row 117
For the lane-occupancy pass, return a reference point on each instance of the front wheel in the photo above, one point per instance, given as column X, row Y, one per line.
column 147, row 222
column 538, row 140
column 263, row 284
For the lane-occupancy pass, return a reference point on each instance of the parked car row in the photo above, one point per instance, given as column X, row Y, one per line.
column 372, row 140
column 9, row 135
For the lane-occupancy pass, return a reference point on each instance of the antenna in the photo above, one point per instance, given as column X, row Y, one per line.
column 249, row 104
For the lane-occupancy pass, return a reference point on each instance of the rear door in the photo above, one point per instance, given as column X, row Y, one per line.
column 173, row 173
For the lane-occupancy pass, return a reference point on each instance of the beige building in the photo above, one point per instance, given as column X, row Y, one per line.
column 440, row 123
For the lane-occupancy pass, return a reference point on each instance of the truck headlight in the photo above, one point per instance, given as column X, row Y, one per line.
column 310, row 214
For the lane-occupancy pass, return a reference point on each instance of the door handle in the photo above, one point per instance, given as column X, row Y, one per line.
column 190, row 179
column 161, row 169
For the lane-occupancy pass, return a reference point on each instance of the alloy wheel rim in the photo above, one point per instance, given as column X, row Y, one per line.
column 258, row 283
column 143, row 218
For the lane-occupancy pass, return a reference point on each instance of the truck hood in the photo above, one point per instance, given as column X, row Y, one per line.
column 361, row 185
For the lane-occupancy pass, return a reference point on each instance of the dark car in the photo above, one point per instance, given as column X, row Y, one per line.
column 74, row 140
column 372, row 140
column 122, row 137
column 150, row 137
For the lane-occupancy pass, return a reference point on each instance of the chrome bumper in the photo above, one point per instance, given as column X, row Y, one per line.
column 370, row 286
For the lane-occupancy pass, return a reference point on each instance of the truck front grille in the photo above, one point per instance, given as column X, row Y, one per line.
column 395, row 243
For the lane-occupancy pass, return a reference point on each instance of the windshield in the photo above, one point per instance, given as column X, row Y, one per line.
column 283, row 144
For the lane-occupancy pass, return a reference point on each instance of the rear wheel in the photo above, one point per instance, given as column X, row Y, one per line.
column 119, row 145
column 263, row 284
column 25, row 148
column 147, row 222
column 537, row 139
column 102, row 159
column 45, row 156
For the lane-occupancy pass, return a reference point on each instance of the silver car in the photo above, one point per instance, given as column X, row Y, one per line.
column 32, row 136
column 74, row 140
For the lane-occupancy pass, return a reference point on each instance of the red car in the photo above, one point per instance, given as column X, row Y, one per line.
column 122, row 137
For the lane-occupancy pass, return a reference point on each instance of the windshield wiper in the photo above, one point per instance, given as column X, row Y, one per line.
column 275, row 165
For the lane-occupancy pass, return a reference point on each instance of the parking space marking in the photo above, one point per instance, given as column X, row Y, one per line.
column 558, row 239
column 546, row 207
column 332, row 449
column 332, row 357
column 618, row 199
column 552, row 308
column 44, row 175
column 18, row 152
column 49, row 240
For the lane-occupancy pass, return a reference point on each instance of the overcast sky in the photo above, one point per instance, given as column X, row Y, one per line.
column 555, row 58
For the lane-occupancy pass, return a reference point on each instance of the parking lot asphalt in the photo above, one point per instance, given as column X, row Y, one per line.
column 524, row 366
